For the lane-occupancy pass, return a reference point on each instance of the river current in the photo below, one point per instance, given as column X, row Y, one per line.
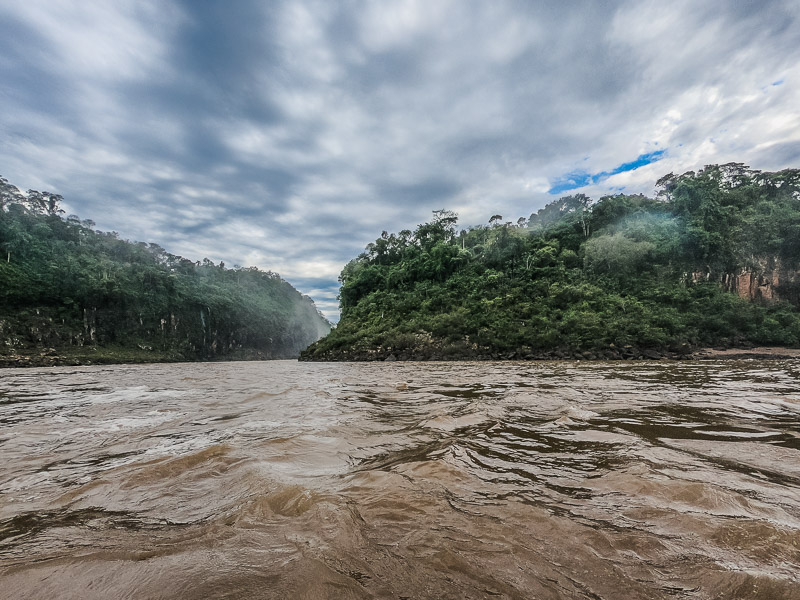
column 403, row 480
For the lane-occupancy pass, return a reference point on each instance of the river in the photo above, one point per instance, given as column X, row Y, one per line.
column 405, row 480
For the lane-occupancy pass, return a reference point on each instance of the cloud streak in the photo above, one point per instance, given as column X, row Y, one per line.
column 288, row 135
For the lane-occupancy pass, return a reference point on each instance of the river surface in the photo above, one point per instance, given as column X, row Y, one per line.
column 404, row 480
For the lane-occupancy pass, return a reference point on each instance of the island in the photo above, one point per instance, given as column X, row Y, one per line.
column 710, row 261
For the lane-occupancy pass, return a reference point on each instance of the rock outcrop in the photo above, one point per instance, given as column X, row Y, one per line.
column 768, row 280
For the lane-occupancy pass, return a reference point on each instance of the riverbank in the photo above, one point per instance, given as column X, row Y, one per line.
column 625, row 353
column 112, row 355
column 760, row 353
column 52, row 357
column 86, row 355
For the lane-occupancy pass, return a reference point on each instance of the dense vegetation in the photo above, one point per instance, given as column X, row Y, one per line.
column 625, row 276
column 69, row 293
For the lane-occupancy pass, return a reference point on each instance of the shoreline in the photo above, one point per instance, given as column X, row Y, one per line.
column 759, row 352
column 703, row 354
column 86, row 356
column 50, row 357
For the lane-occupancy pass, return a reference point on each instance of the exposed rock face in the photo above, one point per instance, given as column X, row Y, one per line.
column 769, row 284
column 758, row 286
column 769, row 281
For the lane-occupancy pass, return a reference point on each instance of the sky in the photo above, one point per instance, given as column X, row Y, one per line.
column 288, row 135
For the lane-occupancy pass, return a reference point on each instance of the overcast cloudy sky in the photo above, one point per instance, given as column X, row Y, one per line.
column 287, row 135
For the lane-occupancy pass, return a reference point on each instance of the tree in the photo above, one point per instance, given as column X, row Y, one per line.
column 617, row 254
column 9, row 194
column 43, row 202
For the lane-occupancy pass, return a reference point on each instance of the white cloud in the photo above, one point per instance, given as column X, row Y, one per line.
column 98, row 40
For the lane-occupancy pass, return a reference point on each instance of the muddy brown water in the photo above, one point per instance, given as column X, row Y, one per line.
column 410, row 480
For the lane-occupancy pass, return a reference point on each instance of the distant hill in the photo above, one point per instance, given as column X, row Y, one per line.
column 70, row 294
column 712, row 260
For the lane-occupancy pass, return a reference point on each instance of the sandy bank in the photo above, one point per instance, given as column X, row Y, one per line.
column 757, row 352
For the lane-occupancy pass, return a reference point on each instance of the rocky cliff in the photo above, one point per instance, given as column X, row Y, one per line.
column 766, row 280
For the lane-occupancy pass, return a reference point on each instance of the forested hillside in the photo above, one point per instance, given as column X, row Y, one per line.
column 70, row 294
column 711, row 260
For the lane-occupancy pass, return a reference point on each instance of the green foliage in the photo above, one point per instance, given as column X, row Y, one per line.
column 626, row 271
column 617, row 254
column 64, row 285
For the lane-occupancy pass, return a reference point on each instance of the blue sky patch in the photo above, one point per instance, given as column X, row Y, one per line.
column 578, row 179
column 571, row 181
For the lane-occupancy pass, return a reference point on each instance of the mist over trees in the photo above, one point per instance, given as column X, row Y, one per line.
column 711, row 260
column 69, row 288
